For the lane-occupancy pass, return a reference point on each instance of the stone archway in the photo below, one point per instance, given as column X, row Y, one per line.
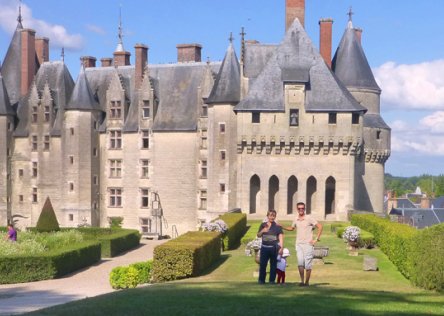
column 255, row 189
column 273, row 190
column 311, row 194
column 330, row 195
column 292, row 190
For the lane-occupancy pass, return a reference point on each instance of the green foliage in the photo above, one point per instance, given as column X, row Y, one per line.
column 119, row 241
column 186, row 256
column 48, row 265
column 432, row 185
column 237, row 226
column 47, row 221
column 115, row 222
column 428, row 259
column 130, row 276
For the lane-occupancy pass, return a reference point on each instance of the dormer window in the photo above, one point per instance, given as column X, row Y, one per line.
column 355, row 118
column 115, row 111
column 146, row 109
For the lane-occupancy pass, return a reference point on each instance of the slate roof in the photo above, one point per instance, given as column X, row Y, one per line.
column 375, row 121
column 226, row 87
column 11, row 69
column 350, row 63
column 82, row 97
column 295, row 59
column 5, row 104
column 420, row 218
column 438, row 202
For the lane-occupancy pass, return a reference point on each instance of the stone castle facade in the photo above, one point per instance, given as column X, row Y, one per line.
column 182, row 143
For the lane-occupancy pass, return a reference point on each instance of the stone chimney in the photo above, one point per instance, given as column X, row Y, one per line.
column 42, row 49
column 187, row 53
column 88, row 61
column 358, row 33
column 106, row 62
column 121, row 58
column 28, row 60
column 425, row 202
column 325, row 39
column 141, row 62
column 294, row 9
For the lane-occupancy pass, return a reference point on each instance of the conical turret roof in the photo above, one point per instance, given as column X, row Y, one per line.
column 82, row 97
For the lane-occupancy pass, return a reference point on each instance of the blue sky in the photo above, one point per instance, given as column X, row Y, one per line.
column 403, row 42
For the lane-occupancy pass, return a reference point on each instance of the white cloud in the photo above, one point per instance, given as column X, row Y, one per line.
column 418, row 86
column 95, row 29
column 425, row 138
column 57, row 34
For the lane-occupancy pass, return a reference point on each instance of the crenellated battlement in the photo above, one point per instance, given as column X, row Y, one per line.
column 377, row 156
column 301, row 145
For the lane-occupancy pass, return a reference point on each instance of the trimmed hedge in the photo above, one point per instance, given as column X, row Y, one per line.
column 49, row 265
column 130, row 276
column 237, row 226
column 418, row 254
column 113, row 241
column 188, row 255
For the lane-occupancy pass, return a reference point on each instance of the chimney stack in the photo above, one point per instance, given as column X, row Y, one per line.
column 141, row 62
column 88, row 61
column 106, row 62
column 294, row 9
column 28, row 60
column 325, row 39
column 121, row 58
column 189, row 53
column 358, row 33
column 42, row 49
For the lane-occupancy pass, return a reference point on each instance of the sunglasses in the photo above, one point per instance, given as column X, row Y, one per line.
column 301, row 208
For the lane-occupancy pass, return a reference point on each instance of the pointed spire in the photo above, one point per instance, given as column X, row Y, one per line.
column 242, row 34
column 120, row 33
column 19, row 18
column 350, row 14
column 82, row 97
column 231, row 38
column 62, row 54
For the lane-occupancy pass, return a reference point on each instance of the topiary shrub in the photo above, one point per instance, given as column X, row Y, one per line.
column 47, row 221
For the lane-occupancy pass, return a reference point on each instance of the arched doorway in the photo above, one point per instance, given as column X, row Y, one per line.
column 330, row 191
column 273, row 189
column 311, row 194
column 255, row 189
column 292, row 189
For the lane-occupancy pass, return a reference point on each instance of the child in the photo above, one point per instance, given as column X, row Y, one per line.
column 281, row 265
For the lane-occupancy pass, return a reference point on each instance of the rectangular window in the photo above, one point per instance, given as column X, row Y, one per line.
column 355, row 118
column 20, row 173
column 203, row 200
column 378, row 134
column 145, row 139
column 47, row 113
column 115, row 168
column 332, row 118
column 95, row 152
column 294, row 117
column 34, row 169
column 144, row 164
column 115, row 111
column 71, row 130
column 46, row 142
column 222, row 155
column 71, row 186
column 71, row 160
column 203, row 139
column 34, row 114
column 222, row 187
column 204, row 110
column 203, row 169
column 71, row 217
column 115, row 139
column 222, row 128
column 144, row 198
column 95, row 180
column 255, row 117
column 34, row 142
column 146, row 109
column 34, row 195
column 115, row 197
column 21, row 198
column 145, row 224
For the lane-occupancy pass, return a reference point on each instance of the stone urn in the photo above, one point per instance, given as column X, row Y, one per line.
column 353, row 247
column 320, row 253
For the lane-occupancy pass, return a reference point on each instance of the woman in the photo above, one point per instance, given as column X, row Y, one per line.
column 272, row 245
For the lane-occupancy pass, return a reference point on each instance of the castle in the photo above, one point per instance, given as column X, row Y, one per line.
column 185, row 142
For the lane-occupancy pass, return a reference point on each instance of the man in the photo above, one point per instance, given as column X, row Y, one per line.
column 305, row 226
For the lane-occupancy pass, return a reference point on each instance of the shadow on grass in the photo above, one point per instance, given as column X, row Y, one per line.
column 249, row 298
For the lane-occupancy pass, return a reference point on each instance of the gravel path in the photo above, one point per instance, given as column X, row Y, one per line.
column 89, row 282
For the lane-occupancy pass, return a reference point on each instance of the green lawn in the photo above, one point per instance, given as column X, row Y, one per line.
column 338, row 287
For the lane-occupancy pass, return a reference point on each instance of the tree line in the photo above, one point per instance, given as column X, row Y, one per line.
column 433, row 186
